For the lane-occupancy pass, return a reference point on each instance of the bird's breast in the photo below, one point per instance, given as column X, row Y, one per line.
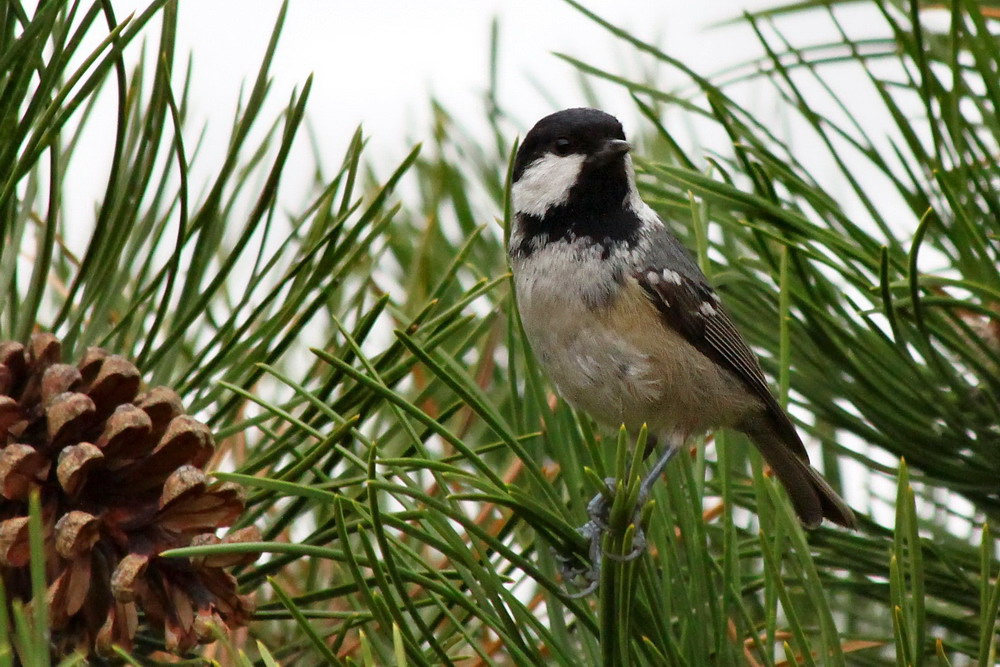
column 608, row 352
column 585, row 329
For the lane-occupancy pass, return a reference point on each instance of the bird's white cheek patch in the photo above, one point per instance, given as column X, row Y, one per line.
column 545, row 183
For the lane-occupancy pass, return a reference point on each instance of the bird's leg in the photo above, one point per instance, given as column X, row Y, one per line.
column 599, row 509
column 646, row 486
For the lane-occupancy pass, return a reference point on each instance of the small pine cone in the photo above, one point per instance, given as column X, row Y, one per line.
column 120, row 479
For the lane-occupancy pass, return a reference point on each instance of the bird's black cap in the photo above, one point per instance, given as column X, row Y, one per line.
column 581, row 130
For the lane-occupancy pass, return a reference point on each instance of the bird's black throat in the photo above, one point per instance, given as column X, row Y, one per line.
column 596, row 210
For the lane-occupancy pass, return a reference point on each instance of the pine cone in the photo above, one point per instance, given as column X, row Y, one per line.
column 120, row 479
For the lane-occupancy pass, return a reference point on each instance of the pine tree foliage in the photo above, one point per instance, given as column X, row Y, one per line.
column 358, row 359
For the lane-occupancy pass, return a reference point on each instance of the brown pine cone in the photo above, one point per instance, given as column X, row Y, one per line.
column 120, row 479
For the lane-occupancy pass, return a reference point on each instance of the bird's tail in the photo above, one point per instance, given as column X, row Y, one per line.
column 810, row 494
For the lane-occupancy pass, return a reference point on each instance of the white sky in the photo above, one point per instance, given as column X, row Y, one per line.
column 376, row 62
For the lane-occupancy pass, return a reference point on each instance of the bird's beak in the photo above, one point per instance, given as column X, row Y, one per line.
column 610, row 151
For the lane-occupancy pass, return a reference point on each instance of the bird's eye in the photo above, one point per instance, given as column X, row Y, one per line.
column 562, row 146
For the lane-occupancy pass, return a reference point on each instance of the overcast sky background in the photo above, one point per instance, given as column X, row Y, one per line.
column 376, row 62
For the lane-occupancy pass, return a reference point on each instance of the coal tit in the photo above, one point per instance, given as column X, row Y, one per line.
column 623, row 320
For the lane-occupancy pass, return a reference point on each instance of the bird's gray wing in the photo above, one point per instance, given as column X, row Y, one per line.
column 689, row 305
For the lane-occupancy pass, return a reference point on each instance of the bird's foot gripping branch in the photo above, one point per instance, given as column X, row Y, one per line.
column 617, row 514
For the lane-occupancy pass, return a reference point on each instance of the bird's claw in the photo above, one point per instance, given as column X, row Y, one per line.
column 599, row 509
column 572, row 567
column 638, row 541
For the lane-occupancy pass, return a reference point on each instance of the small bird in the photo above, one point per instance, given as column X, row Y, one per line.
column 623, row 320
